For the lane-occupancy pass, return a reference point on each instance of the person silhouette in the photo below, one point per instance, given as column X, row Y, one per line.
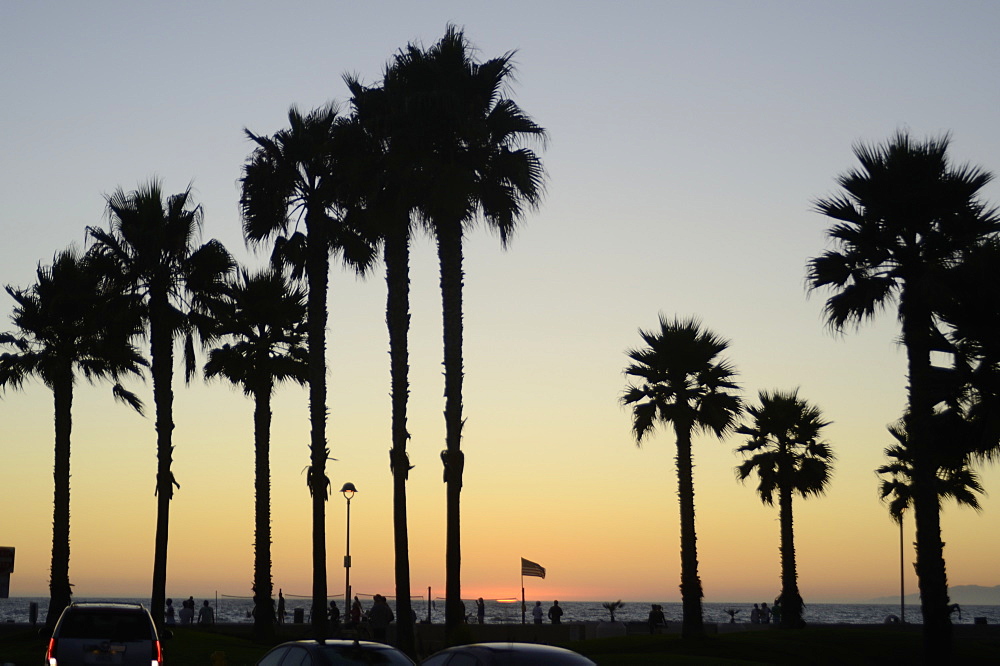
column 537, row 612
column 556, row 613
column 480, row 610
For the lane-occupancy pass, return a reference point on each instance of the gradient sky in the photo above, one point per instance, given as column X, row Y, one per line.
column 687, row 143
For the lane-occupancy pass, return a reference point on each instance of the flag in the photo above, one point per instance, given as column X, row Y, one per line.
column 529, row 568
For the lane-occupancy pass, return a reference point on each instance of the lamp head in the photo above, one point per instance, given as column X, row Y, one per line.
column 348, row 491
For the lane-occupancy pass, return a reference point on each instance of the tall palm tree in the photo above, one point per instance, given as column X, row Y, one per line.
column 678, row 378
column 71, row 320
column 294, row 176
column 469, row 157
column 785, row 452
column 152, row 250
column 383, row 199
column 263, row 318
column 905, row 218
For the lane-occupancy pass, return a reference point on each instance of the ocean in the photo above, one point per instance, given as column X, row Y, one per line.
column 237, row 609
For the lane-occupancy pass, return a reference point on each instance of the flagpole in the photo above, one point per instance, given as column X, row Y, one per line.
column 523, row 607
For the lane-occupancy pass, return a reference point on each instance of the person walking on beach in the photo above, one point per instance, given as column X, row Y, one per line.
column 537, row 612
column 481, row 610
column 170, row 613
column 207, row 614
column 555, row 613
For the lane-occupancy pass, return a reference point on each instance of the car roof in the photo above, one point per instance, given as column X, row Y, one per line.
column 109, row 605
column 339, row 642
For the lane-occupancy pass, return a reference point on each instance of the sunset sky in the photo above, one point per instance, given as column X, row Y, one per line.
column 688, row 141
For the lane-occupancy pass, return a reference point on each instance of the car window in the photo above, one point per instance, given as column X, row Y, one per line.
column 108, row 625
column 273, row 658
column 297, row 656
column 363, row 655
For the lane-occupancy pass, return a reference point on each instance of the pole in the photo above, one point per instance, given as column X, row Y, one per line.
column 523, row 607
column 347, row 562
column 902, row 593
column 429, row 604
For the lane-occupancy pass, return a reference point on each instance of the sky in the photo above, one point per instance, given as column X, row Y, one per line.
column 688, row 142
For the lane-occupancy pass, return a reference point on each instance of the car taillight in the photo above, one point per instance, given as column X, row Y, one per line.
column 157, row 654
column 50, row 653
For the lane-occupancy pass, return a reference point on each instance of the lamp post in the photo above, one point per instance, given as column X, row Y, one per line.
column 902, row 590
column 348, row 491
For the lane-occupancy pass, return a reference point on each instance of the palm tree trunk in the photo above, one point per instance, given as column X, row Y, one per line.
column 60, row 592
column 449, row 239
column 691, row 592
column 317, row 271
column 162, row 352
column 397, row 279
column 931, row 575
column 791, row 600
column 263, row 623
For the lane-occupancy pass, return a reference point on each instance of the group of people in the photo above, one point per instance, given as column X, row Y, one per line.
column 763, row 615
column 555, row 613
column 206, row 614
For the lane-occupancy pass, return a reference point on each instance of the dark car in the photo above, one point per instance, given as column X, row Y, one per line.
column 104, row 633
column 506, row 654
column 333, row 653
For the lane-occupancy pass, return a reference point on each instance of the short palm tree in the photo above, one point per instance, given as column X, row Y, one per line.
column 291, row 177
column 905, row 218
column 466, row 140
column 955, row 479
column 786, row 453
column 262, row 318
column 679, row 378
column 71, row 320
column 612, row 607
column 151, row 250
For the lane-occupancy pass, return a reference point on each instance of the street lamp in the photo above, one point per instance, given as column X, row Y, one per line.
column 348, row 491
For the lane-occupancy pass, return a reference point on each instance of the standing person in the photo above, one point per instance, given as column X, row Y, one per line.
column 656, row 617
column 170, row 613
column 755, row 615
column 380, row 617
column 187, row 611
column 334, row 617
column 281, row 607
column 356, row 612
column 776, row 611
column 555, row 613
column 481, row 610
column 206, row 615
column 537, row 612
column 765, row 614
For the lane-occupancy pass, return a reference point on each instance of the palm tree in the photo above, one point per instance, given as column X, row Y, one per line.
column 290, row 177
column 785, row 452
column 466, row 140
column 383, row 200
column 151, row 248
column 680, row 379
column 69, row 321
column 954, row 478
column 904, row 220
column 264, row 318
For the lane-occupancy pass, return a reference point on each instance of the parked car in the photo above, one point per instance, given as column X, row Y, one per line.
column 334, row 653
column 507, row 654
column 104, row 633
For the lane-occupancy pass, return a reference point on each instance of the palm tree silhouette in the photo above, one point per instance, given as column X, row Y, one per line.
column 382, row 201
column 785, row 452
column 679, row 378
column 296, row 176
column 468, row 156
column 954, row 478
column 151, row 250
column 906, row 217
column 263, row 318
column 71, row 320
